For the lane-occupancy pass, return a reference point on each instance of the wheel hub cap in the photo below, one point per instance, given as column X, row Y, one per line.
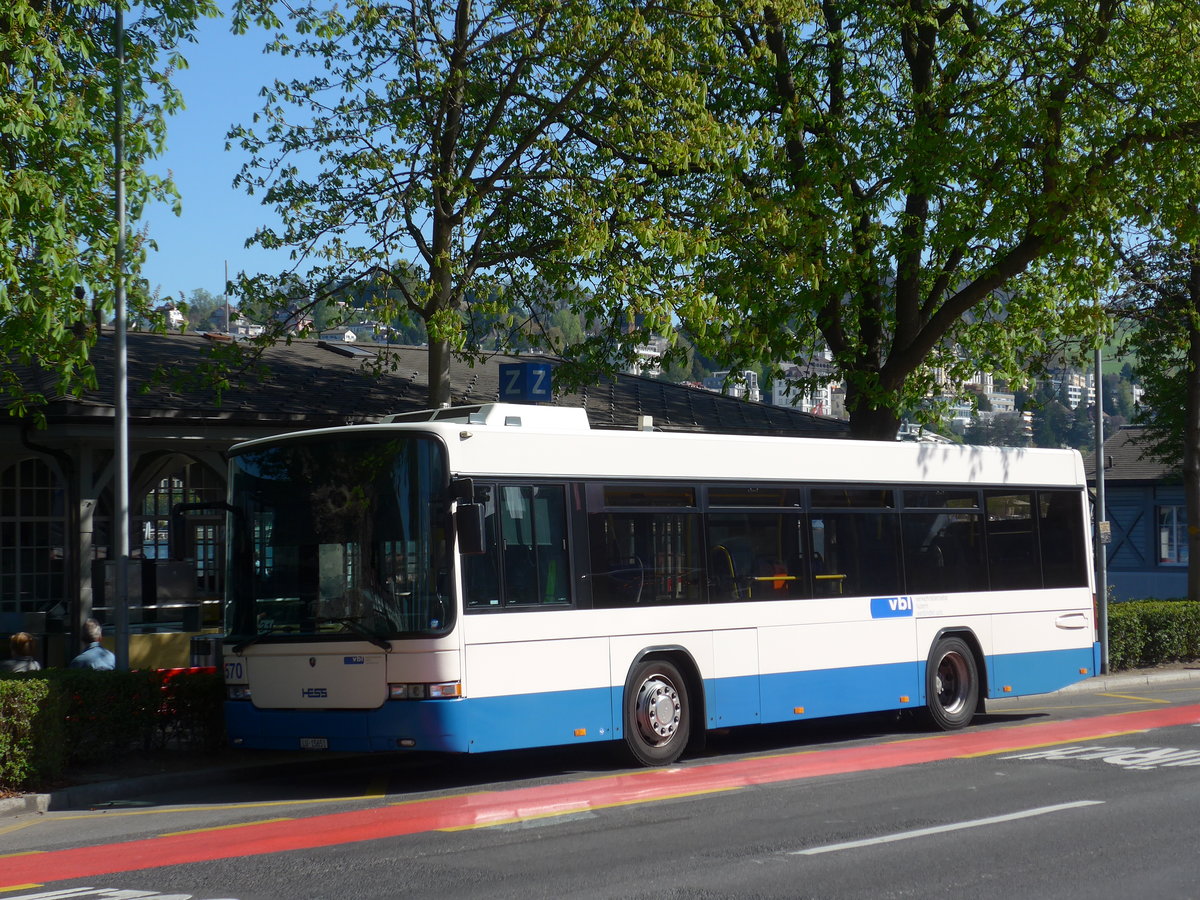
column 658, row 710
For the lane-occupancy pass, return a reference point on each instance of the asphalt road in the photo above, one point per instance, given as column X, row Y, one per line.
column 1075, row 794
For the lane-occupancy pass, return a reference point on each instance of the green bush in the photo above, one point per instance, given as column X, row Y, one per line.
column 1151, row 632
column 33, row 745
column 55, row 718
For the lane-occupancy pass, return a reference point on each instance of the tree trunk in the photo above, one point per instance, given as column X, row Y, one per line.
column 439, row 374
column 1191, row 429
column 871, row 423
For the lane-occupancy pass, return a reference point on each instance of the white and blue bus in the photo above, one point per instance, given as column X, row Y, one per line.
column 497, row 577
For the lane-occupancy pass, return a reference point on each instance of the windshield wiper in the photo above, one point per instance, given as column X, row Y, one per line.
column 353, row 624
column 242, row 645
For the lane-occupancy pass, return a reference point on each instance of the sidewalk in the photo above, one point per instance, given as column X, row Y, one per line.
column 228, row 767
column 235, row 766
column 1134, row 678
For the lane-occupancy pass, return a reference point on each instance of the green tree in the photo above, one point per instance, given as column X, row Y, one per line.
column 201, row 306
column 57, row 221
column 1162, row 297
column 435, row 152
column 919, row 187
column 1001, row 430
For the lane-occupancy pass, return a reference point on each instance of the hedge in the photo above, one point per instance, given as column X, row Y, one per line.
column 55, row 718
column 1145, row 633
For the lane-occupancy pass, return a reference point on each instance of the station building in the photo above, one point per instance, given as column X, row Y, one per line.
column 57, row 508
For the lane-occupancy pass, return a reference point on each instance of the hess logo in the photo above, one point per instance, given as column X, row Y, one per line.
column 314, row 693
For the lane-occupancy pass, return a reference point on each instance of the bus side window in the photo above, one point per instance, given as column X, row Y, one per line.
column 943, row 552
column 1014, row 561
column 1063, row 542
column 526, row 559
column 645, row 559
column 755, row 556
column 534, row 545
column 860, row 552
column 481, row 574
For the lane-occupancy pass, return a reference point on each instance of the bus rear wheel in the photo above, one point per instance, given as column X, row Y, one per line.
column 657, row 713
column 951, row 684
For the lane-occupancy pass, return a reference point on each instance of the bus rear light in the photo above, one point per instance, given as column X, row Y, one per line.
column 237, row 691
column 442, row 691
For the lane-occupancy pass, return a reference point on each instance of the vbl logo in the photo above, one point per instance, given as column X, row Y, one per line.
column 889, row 607
column 314, row 693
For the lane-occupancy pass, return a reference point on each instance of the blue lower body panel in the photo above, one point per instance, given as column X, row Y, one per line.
column 473, row 725
column 791, row 696
column 432, row 724
column 1039, row 673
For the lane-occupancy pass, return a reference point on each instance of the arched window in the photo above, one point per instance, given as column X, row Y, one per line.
column 32, row 537
column 203, row 540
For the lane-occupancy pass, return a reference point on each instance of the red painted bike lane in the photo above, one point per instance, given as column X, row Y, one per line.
column 493, row 808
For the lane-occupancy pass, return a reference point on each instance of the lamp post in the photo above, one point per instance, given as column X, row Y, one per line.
column 120, row 399
column 1101, row 516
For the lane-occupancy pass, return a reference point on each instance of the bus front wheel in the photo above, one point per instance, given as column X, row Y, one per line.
column 951, row 684
column 657, row 713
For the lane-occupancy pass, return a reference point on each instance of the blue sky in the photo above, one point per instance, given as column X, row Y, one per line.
column 220, row 88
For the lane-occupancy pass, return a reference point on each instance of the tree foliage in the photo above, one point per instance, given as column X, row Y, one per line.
column 57, row 220
column 1162, row 298
column 433, row 152
column 923, row 188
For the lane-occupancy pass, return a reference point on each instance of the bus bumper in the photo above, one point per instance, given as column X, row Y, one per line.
column 435, row 725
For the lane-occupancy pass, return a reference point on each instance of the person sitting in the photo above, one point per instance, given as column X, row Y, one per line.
column 22, row 646
column 94, row 656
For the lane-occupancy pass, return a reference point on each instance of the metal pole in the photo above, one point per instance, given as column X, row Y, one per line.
column 120, row 400
column 1101, row 521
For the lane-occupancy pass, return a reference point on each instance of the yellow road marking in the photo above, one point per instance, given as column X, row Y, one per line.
column 1131, row 697
column 377, row 788
column 216, row 806
column 19, row 887
column 226, row 827
column 589, row 808
column 416, row 800
column 9, row 829
column 21, row 853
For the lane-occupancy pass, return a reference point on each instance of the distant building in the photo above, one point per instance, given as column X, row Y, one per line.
column 174, row 315
column 818, row 400
column 742, row 385
column 1073, row 386
column 238, row 327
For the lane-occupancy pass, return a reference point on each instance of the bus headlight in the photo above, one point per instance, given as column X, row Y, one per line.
column 237, row 691
column 442, row 691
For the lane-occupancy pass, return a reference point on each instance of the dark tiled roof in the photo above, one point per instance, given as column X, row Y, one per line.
column 310, row 383
column 1124, row 459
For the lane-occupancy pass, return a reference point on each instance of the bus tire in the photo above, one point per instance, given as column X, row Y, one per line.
column 657, row 713
column 951, row 684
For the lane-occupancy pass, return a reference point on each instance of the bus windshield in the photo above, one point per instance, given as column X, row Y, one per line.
column 338, row 536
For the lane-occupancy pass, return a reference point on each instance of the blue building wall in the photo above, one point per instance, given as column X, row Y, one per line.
column 1134, row 570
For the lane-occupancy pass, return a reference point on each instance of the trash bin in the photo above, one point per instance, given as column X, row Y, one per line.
column 206, row 650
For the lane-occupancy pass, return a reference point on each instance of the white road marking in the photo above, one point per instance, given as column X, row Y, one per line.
column 942, row 829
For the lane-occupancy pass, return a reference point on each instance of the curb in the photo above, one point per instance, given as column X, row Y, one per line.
column 1127, row 680
column 85, row 796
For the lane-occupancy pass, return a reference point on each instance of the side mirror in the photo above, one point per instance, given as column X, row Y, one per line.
column 471, row 528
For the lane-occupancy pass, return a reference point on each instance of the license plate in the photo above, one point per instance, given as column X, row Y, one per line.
column 314, row 743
